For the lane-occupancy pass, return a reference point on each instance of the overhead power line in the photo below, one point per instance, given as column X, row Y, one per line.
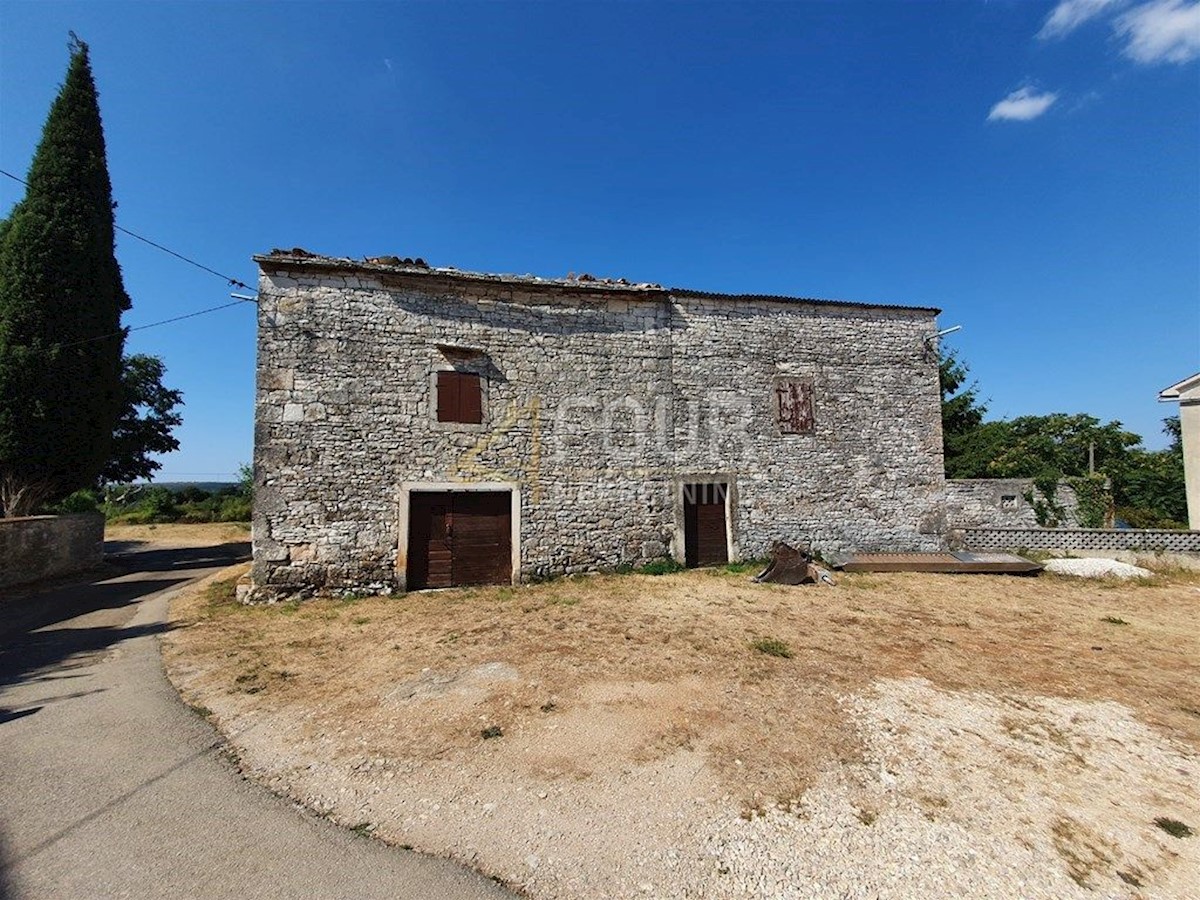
column 200, row 312
column 191, row 315
column 133, row 234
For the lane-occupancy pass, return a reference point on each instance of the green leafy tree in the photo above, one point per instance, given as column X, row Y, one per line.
column 1173, row 429
column 61, row 299
column 965, row 436
column 148, row 416
column 1153, row 494
column 1059, row 444
column 1144, row 488
column 245, row 480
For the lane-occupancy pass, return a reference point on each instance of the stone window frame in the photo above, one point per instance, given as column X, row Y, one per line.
column 728, row 479
column 470, row 360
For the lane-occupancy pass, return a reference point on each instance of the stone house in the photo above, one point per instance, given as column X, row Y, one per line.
column 422, row 427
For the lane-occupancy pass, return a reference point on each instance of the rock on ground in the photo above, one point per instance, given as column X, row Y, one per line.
column 1096, row 568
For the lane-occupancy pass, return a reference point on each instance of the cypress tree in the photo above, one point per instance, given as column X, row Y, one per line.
column 61, row 299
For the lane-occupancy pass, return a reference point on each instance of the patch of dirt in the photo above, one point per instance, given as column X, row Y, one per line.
column 974, row 794
column 620, row 736
column 205, row 534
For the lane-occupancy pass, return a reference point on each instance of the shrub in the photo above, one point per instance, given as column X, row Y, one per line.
column 154, row 504
column 1140, row 517
column 191, row 494
column 159, row 504
column 85, row 500
column 664, row 566
column 234, row 509
column 1173, row 827
column 772, row 647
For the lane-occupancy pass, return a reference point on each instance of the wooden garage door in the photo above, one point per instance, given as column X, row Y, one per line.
column 459, row 538
column 704, row 534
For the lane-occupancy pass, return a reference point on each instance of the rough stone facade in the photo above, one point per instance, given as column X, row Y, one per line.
column 33, row 548
column 600, row 400
column 1001, row 503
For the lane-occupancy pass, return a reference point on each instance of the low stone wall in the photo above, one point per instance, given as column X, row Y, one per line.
column 1143, row 539
column 1001, row 503
column 36, row 547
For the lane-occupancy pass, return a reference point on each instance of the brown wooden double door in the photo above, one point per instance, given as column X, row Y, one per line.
column 459, row 538
column 705, row 541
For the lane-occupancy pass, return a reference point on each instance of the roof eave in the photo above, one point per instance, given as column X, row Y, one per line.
column 816, row 301
column 336, row 264
column 1175, row 391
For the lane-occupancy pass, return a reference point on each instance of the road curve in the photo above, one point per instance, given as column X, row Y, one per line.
column 111, row 787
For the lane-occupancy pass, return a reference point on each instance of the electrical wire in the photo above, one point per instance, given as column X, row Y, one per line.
column 191, row 315
column 233, row 282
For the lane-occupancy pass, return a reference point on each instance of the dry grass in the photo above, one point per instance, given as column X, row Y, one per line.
column 620, row 670
column 205, row 534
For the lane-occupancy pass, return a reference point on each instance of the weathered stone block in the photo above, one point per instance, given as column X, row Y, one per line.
column 33, row 548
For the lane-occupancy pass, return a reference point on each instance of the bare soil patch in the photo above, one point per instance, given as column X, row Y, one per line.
column 174, row 534
column 649, row 736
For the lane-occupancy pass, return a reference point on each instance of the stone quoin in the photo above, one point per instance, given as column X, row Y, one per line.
column 418, row 426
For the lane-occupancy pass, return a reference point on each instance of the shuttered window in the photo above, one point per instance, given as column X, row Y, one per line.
column 459, row 398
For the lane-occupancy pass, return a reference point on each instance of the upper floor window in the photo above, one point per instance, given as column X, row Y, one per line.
column 794, row 405
column 459, row 397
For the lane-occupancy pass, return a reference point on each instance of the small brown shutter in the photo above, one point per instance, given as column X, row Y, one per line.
column 460, row 398
column 470, row 399
column 447, row 396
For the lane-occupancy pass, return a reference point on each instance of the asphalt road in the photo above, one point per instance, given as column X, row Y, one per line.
column 111, row 787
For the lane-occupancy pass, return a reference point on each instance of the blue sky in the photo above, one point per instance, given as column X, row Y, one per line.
column 1031, row 168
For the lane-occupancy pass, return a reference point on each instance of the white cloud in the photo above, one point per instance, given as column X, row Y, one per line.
column 1022, row 105
column 1070, row 14
column 1161, row 31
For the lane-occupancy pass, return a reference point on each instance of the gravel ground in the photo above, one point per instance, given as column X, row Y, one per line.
column 964, row 794
column 919, row 741
column 1096, row 568
column 974, row 795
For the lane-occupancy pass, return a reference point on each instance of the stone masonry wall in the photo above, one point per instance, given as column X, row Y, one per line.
column 868, row 477
column 33, row 548
column 598, row 402
column 1001, row 503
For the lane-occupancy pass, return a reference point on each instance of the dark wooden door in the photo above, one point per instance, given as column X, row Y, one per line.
column 459, row 538
column 429, row 541
column 704, row 533
column 481, row 538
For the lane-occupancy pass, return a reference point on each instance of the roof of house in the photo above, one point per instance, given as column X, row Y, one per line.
column 1180, row 388
column 300, row 258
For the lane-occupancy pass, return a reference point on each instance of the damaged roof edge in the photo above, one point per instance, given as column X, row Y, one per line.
column 782, row 298
column 420, row 268
column 303, row 259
